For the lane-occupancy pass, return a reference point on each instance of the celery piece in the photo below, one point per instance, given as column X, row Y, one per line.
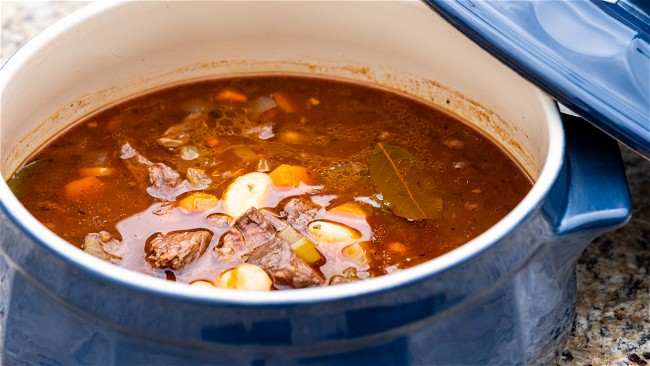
column 289, row 234
column 306, row 250
column 356, row 253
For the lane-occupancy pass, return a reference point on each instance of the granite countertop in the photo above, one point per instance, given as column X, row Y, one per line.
column 612, row 326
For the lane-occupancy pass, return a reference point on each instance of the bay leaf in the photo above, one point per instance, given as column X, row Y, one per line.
column 407, row 187
column 19, row 181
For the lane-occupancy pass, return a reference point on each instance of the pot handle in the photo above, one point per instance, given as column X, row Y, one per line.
column 591, row 195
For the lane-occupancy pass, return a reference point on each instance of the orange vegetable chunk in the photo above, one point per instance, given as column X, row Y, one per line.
column 284, row 102
column 211, row 141
column 95, row 171
column 290, row 176
column 84, row 188
column 198, row 201
column 228, row 95
column 397, row 247
column 350, row 210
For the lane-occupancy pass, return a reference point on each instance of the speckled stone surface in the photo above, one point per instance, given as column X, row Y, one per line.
column 612, row 326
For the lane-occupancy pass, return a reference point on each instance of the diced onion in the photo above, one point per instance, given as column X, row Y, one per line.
column 263, row 165
column 198, row 178
column 356, row 253
column 289, row 234
column 189, row 152
column 198, row 106
column 260, row 105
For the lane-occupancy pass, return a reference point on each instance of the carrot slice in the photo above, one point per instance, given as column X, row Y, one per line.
column 229, row 95
column 198, row 201
column 211, row 141
column 313, row 102
column 284, row 102
column 84, row 187
column 95, row 172
column 349, row 209
column 290, row 176
column 397, row 247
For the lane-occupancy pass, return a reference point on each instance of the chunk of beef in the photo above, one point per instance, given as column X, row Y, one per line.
column 128, row 152
column 300, row 211
column 253, row 235
column 103, row 246
column 177, row 249
column 255, row 228
column 163, row 180
column 276, row 221
column 249, row 231
column 284, row 266
column 161, row 176
column 220, row 221
column 136, row 164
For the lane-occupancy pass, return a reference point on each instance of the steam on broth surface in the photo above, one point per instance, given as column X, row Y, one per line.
column 269, row 183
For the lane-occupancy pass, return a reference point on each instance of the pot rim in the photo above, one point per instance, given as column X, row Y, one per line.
column 29, row 225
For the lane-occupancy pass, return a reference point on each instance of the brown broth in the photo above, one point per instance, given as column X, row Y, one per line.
column 330, row 129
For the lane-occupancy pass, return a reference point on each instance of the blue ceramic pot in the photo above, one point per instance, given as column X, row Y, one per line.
column 506, row 297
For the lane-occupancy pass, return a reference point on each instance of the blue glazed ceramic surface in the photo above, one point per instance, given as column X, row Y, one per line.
column 511, row 304
column 592, row 56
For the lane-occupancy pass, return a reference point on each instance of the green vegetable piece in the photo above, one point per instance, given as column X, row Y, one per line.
column 303, row 247
column 408, row 189
column 356, row 253
column 349, row 275
column 17, row 182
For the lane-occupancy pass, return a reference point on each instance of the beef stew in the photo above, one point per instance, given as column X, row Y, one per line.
column 269, row 182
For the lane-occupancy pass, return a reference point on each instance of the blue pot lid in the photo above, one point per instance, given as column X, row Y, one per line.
column 592, row 56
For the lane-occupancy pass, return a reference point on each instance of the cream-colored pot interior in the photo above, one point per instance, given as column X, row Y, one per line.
column 111, row 51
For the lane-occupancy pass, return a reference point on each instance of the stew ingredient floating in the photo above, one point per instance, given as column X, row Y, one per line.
column 269, row 183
